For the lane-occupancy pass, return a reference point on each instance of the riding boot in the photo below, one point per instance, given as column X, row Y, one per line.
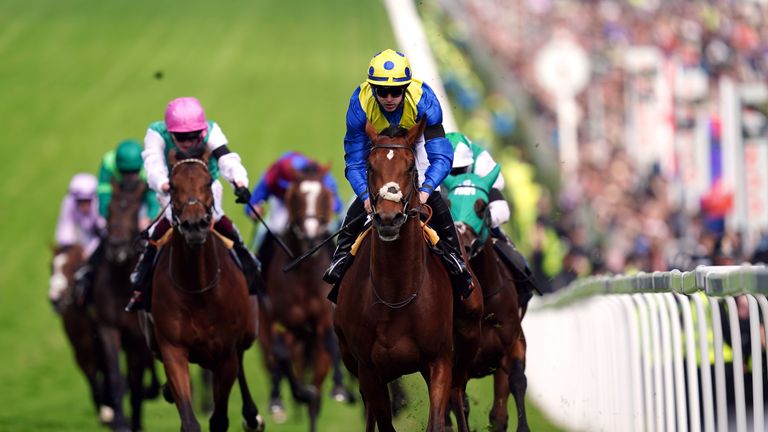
column 266, row 251
column 442, row 222
column 85, row 275
column 251, row 265
column 341, row 256
column 141, row 277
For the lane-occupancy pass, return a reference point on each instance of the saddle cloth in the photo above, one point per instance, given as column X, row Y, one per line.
column 430, row 236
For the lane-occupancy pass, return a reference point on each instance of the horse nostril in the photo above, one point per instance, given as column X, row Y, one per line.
column 203, row 223
column 398, row 220
column 185, row 225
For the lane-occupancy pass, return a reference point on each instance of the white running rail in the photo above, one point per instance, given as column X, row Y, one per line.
column 646, row 352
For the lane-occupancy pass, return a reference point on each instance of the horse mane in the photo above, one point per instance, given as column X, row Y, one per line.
column 394, row 131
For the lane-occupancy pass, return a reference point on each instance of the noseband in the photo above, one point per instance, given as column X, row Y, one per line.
column 191, row 200
column 405, row 199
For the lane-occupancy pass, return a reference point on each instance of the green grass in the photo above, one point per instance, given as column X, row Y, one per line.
column 77, row 77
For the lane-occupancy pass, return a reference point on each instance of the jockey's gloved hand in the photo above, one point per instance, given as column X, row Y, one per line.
column 243, row 195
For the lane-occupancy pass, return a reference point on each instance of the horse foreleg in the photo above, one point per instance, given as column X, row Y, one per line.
column 439, row 384
column 339, row 393
column 322, row 365
column 136, row 367
column 252, row 420
column 376, row 397
column 176, row 364
column 110, row 343
column 223, row 379
column 498, row 416
column 518, row 382
column 459, row 406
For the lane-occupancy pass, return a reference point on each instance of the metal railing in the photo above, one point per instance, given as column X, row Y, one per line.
column 646, row 352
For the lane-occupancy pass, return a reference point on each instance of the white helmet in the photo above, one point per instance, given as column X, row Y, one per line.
column 83, row 186
column 462, row 156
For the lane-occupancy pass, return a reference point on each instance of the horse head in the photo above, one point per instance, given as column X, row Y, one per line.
column 310, row 205
column 66, row 261
column 468, row 199
column 191, row 197
column 123, row 219
column 392, row 177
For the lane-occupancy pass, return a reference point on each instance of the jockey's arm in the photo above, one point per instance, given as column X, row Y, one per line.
column 155, row 164
column 439, row 149
column 230, row 166
column 104, row 189
column 356, row 148
column 498, row 207
column 66, row 231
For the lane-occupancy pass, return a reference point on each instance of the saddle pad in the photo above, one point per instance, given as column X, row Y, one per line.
column 430, row 235
column 162, row 241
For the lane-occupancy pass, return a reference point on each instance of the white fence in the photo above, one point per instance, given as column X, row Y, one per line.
column 620, row 353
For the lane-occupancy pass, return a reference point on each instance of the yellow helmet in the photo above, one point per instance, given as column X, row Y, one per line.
column 389, row 68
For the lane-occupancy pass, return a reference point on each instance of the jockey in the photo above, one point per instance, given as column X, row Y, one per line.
column 125, row 160
column 469, row 157
column 391, row 96
column 272, row 187
column 186, row 130
column 116, row 163
column 79, row 221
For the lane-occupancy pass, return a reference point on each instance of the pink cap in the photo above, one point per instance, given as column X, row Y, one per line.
column 185, row 114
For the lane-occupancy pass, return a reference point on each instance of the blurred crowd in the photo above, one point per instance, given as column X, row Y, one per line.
column 613, row 214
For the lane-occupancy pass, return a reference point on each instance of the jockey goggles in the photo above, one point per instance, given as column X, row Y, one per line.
column 187, row 136
column 384, row 91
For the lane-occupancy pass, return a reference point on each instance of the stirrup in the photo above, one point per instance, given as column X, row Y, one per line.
column 336, row 270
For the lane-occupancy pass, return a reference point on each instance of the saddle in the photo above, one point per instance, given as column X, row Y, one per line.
column 430, row 236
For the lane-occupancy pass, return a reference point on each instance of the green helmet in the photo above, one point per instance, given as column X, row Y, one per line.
column 128, row 156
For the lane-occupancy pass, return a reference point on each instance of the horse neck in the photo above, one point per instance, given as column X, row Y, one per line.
column 486, row 266
column 395, row 263
column 193, row 267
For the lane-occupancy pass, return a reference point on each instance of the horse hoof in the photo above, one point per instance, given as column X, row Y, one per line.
column 277, row 411
column 259, row 425
column 106, row 415
column 341, row 394
column 307, row 394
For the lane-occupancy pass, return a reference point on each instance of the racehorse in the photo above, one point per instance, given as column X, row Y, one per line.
column 117, row 328
column 395, row 311
column 503, row 343
column 297, row 328
column 79, row 326
column 200, row 310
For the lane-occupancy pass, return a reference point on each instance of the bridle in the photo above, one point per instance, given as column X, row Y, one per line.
column 405, row 200
column 175, row 215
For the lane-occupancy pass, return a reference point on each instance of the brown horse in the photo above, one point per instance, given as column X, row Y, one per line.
column 200, row 309
column 503, row 342
column 79, row 326
column 298, row 327
column 117, row 328
column 395, row 312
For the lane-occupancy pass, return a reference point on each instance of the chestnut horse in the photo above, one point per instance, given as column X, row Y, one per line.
column 119, row 329
column 395, row 311
column 200, row 309
column 79, row 326
column 503, row 342
column 297, row 329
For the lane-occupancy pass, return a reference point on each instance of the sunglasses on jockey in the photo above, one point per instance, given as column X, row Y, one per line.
column 186, row 136
column 382, row 91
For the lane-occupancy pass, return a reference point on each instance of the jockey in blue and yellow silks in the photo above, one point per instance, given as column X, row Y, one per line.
column 390, row 96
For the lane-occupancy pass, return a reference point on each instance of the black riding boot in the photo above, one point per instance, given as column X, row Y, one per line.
column 251, row 265
column 341, row 256
column 141, row 277
column 442, row 222
column 525, row 280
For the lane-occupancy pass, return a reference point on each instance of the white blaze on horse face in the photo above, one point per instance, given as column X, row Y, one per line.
column 391, row 154
column 311, row 189
column 391, row 192
column 58, row 282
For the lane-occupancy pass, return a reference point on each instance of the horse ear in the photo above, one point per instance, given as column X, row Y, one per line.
column 172, row 157
column 371, row 131
column 480, row 207
column 489, row 179
column 325, row 168
column 416, row 131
